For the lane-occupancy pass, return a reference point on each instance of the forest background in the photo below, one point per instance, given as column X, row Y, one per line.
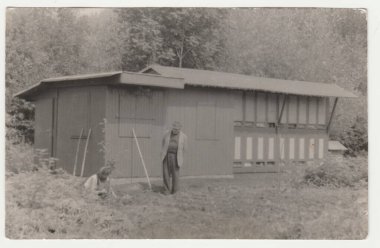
column 306, row 44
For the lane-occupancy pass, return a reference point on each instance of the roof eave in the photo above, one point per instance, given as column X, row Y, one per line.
column 151, row 80
column 345, row 94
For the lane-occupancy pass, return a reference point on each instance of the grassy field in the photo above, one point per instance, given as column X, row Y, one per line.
column 251, row 206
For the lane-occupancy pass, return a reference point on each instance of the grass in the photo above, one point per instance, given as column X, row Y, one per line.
column 250, row 206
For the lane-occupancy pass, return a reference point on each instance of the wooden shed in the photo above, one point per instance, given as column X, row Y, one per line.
column 234, row 123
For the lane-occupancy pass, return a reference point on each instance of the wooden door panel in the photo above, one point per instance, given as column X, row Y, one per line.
column 73, row 107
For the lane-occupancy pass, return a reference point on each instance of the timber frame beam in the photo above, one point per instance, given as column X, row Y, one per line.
column 332, row 115
column 282, row 110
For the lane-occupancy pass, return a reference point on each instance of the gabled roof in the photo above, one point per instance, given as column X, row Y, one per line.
column 244, row 82
column 114, row 78
column 43, row 83
column 174, row 77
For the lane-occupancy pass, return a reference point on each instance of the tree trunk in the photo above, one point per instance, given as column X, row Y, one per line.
column 180, row 62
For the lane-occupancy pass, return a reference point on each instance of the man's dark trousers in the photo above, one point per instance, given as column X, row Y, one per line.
column 171, row 172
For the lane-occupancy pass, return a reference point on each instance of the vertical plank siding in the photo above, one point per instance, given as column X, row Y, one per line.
column 261, row 107
column 45, row 123
column 207, row 122
column 292, row 109
column 250, row 106
column 302, row 110
column 211, row 152
column 301, row 135
column 312, row 110
column 127, row 109
column 61, row 113
column 272, row 107
column 228, row 130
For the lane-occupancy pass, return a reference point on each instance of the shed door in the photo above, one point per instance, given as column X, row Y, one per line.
column 136, row 112
column 73, row 109
column 44, row 130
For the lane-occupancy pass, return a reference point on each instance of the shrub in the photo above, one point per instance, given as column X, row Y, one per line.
column 333, row 173
column 356, row 138
column 19, row 157
column 19, row 121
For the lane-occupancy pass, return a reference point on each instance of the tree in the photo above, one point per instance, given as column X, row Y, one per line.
column 42, row 43
column 142, row 41
column 317, row 45
column 194, row 34
column 102, row 48
column 171, row 36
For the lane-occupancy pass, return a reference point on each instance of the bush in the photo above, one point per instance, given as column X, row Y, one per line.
column 19, row 157
column 356, row 138
column 19, row 121
column 350, row 172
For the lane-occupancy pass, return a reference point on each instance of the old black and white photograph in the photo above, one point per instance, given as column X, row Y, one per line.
column 186, row 123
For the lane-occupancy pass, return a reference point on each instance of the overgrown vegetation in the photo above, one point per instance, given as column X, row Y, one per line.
column 19, row 122
column 256, row 206
column 305, row 202
column 356, row 137
column 352, row 172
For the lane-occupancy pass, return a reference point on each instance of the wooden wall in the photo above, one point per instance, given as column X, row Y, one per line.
column 130, row 108
column 80, row 107
column 45, row 111
column 263, row 107
column 60, row 115
column 206, row 115
column 301, row 135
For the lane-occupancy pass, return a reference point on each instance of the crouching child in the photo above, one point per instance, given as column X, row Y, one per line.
column 100, row 182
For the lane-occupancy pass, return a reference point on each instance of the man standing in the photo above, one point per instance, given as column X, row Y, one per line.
column 174, row 145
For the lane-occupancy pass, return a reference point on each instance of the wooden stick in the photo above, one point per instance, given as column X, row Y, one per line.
column 332, row 115
column 85, row 152
column 141, row 156
column 282, row 109
column 113, row 192
column 76, row 154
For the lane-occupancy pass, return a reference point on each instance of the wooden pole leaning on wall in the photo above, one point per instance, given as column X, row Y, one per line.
column 278, row 138
column 85, row 152
column 142, row 159
column 332, row 115
column 77, row 152
column 278, row 135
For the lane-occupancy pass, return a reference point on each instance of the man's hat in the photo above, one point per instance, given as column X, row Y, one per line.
column 177, row 125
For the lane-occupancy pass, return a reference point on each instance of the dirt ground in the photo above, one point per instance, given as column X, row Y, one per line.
column 249, row 206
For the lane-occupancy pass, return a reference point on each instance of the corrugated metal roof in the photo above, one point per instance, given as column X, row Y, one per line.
column 335, row 145
column 239, row 81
